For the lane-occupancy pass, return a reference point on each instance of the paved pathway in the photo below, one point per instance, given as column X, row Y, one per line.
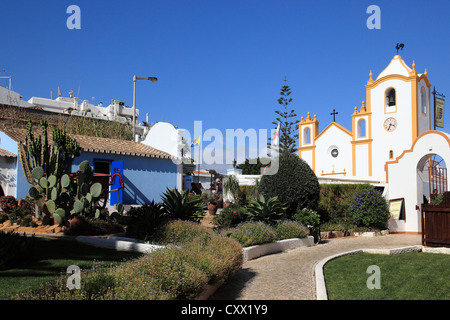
column 290, row 275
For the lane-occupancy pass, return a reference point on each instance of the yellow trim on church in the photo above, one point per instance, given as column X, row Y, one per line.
column 365, row 112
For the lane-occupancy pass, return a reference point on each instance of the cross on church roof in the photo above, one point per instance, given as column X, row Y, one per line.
column 334, row 113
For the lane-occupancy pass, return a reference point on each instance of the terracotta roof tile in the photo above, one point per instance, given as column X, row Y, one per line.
column 6, row 153
column 99, row 145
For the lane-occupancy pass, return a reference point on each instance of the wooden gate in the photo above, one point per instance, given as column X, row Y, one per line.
column 436, row 223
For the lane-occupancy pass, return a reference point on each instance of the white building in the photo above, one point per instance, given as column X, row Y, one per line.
column 11, row 98
column 115, row 111
column 390, row 144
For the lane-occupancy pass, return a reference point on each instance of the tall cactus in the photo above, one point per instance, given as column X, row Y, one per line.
column 46, row 166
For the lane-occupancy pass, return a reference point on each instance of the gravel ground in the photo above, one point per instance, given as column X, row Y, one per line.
column 290, row 275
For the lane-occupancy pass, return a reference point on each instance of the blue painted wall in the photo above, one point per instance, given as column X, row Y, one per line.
column 145, row 179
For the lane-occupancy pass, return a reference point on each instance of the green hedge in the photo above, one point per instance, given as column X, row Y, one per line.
column 335, row 200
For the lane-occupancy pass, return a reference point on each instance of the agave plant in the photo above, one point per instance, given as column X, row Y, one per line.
column 269, row 211
column 182, row 206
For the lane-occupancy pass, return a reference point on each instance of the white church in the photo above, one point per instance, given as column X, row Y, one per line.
column 392, row 144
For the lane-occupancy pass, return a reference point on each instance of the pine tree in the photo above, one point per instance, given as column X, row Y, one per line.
column 288, row 138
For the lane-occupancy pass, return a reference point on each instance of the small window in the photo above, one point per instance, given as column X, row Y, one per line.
column 391, row 154
column 307, row 136
column 423, row 99
column 361, row 128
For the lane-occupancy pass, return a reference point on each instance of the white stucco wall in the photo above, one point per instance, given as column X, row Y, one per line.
column 404, row 181
column 401, row 137
column 334, row 137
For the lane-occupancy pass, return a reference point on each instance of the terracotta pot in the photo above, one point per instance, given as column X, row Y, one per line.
column 226, row 204
column 212, row 209
column 76, row 221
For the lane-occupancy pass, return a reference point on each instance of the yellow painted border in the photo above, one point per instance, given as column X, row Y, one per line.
column 387, row 163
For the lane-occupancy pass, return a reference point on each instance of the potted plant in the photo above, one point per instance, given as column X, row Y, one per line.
column 220, row 202
column 212, row 203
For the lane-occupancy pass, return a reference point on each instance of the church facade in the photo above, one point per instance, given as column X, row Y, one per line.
column 391, row 143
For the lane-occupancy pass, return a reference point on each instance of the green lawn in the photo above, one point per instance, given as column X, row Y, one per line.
column 410, row 276
column 55, row 257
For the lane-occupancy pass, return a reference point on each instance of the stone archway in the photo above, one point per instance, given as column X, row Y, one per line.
column 432, row 177
column 407, row 174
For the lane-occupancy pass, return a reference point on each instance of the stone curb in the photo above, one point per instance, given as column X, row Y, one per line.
column 254, row 252
column 321, row 290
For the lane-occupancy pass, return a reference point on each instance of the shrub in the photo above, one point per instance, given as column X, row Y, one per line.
column 295, row 184
column 288, row 229
column 162, row 275
column 8, row 203
column 253, row 233
column 145, row 220
column 92, row 226
column 181, row 232
column 330, row 226
column 218, row 258
column 170, row 273
column 3, row 217
column 335, row 201
column 269, row 211
column 308, row 217
column 369, row 209
column 247, row 194
column 182, row 206
column 231, row 216
column 98, row 284
column 27, row 205
column 26, row 221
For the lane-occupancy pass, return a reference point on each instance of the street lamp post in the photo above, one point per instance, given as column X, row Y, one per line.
column 152, row 79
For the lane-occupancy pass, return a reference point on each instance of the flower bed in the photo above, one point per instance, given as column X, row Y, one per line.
column 200, row 259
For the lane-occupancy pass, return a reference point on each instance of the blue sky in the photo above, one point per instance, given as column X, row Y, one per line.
column 220, row 61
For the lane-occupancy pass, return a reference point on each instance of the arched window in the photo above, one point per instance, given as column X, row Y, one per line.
column 307, row 135
column 390, row 100
column 390, row 97
column 423, row 99
column 361, row 128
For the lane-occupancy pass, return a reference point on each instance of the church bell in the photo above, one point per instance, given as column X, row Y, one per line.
column 391, row 98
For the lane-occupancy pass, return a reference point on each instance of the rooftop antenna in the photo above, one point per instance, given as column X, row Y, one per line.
column 9, row 78
column 399, row 46
column 51, row 94
column 59, row 91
